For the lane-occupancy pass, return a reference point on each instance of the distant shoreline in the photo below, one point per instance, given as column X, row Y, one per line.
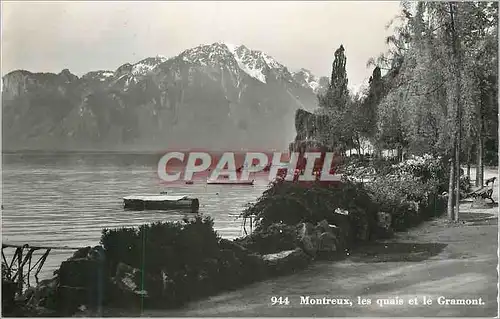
column 97, row 151
column 31, row 151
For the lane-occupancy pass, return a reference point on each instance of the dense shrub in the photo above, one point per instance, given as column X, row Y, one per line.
column 383, row 166
column 271, row 239
column 425, row 168
column 357, row 169
column 195, row 261
column 420, row 166
column 409, row 192
column 291, row 203
column 171, row 247
column 387, row 191
column 121, row 245
column 434, row 207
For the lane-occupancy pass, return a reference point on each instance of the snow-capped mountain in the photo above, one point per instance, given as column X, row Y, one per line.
column 147, row 65
column 256, row 64
column 307, row 79
column 218, row 95
column 102, row 75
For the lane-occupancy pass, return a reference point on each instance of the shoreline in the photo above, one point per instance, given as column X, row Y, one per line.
column 298, row 256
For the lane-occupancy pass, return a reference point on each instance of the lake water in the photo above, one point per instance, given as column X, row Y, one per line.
column 67, row 199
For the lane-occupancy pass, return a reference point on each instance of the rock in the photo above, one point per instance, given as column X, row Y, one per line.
column 274, row 238
column 328, row 245
column 82, row 253
column 286, row 262
column 323, row 239
column 49, row 297
column 126, row 277
column 44, row 294
column 309, row 238
column 343, row 222
column 331, row 240
column 125, row 290
column 82, row 278
column 82, row 268
column 234, row 269
column 252, row 263
column 78, row 272
column 324, row 226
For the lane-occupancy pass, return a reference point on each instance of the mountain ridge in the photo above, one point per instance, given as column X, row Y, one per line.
column 196, row 95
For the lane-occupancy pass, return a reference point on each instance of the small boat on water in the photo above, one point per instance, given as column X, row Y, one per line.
column 160, row 202
column 224, row 180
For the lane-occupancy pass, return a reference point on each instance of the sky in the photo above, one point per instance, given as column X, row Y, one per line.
column 84, row 36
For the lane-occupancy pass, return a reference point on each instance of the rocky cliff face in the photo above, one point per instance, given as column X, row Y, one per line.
column 217, row 96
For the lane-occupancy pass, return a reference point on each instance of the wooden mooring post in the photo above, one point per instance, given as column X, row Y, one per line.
column 20, row 267
column 244, row 226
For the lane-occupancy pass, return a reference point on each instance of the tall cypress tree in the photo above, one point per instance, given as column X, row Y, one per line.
column 337, row 94
column 369, row 106
column 335, row 122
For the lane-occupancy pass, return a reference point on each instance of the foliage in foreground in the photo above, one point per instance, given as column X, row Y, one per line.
column 291, row 203
column 408, row 191
column 189, row 257
column 167, row 246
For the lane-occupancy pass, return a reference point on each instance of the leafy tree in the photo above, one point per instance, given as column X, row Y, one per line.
column 439, row 94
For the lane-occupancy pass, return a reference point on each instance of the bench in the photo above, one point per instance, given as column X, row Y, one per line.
column 485, row 192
